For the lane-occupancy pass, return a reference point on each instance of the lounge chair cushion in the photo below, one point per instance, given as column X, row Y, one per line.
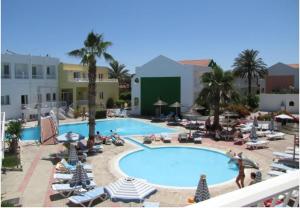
column 88, row 196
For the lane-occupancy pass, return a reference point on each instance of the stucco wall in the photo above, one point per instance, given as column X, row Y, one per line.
column 162, row 66
column 17, row 87
column 272, row 102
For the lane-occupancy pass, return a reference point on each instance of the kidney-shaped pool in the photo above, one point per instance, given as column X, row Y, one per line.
column 178, row 166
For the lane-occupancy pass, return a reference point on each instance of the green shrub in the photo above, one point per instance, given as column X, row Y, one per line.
column 10, row 160
column 253, row 101
column 120, row 103
column 100, row 114
column 7, row 204
column 239, row 108
column 110, row 103
column 125, row 96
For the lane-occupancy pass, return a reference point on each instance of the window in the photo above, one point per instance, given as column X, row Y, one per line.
column 83, row 75
column 100, row 76
column 291, row 103
column 37, row 72
column 48, row 97
column 24, row 99
column 51, row 72
column 54, row 97
column 101, row 95
column 5, row 100
column 76, row 75
column 21, row 71
column 5, row 72
column 39, row 98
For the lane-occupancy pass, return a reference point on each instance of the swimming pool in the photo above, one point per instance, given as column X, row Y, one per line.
column 178, row 166
column 126, row 126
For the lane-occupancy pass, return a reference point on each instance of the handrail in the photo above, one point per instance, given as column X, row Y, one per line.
column 256, row 194
column 2, row 133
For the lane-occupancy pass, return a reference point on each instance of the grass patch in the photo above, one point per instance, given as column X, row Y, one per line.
column 10, row 160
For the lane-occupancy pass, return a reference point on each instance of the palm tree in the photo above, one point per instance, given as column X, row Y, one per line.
column 94, row 47
column 118, row 71
column 248, row 65
column 218, row 89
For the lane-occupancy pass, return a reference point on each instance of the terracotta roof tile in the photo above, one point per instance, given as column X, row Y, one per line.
column 296, row 66
column 202, row 62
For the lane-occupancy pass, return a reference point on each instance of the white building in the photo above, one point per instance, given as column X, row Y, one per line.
column 168, row 80
column 22, row 77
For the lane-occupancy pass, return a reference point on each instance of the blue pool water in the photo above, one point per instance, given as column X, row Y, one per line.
column 178, row 166
column 123, row 127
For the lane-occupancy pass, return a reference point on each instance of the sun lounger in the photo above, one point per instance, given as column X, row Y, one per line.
column 182, row 137
column 257, row 144
column 151, row 204
column 65, row 190
column 147, row 140
column 62, row 177
column 84, row 149
column 64, row 166
column 291, row 152
column 281, row 167
column 275, row 173
column 166, row 138
column 285, row 155
column 116, row 140
column 262, row 133
column 89, row 196
column 275, row 136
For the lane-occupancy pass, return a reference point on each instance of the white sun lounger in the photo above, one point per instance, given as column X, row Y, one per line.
column 285, row 155
column 291, row 152
column 70, row 168
column 281, row 167
column 166, row 138
column 262, row 133
column 274, row 136
column 89, row 196
column 275, row 173
column 62, row 188
column 66, row 177
column 257, row 144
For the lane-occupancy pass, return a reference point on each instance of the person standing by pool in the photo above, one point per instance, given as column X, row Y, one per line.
column 241, row 176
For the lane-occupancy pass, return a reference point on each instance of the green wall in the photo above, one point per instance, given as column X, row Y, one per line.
column 153, row 88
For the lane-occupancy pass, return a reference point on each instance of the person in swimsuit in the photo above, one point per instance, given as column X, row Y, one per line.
column 241, row 176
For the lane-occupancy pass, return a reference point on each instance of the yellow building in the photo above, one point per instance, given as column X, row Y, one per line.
column 73, row 86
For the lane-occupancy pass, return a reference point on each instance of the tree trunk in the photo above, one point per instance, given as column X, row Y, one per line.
column 216, row 116
column 249, row 84
column 92, row 98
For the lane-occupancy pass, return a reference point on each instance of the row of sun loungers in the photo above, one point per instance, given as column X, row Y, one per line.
column 166, row 138
column 116, row 113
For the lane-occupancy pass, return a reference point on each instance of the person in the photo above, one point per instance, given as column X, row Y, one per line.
column 99, row 138
column 241, row 176
column 83, row 115
column 252, row 176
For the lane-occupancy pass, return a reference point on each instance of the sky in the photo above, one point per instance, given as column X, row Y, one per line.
column 140, row 30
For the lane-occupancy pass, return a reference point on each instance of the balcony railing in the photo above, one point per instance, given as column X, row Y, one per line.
column 37, row 76
column 5, row 76
column 285, row 186
column 43, row 105
column 51, row 76
column 21, row 76
column 87, row 80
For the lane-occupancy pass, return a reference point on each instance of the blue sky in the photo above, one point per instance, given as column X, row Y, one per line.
column 141, row 30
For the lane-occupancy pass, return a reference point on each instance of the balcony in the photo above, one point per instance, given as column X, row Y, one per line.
column 286, row 185
column 5, row 76
column 51, row 76
column 21, row 76
column 86, row 80
column 37, row 76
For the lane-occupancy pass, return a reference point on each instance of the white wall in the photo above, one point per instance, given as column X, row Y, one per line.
column 17, row 87
column 272, row 102
column 162, row 66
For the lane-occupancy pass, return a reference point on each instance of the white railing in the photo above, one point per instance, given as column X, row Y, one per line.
column 87, row 80
column 286, row 185
column 2, row 133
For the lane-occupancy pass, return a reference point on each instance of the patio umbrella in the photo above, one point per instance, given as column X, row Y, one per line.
column 253, row 135
column 202, row 192
column 176, row 105
column 69, row 137
column 80, row 177
column 73, row 157
column 160, row 103
column 284, row 116
column 129, row 189
column 271, row 125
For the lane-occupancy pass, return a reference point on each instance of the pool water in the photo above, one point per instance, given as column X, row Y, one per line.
column 126, row 126
column 178, row 166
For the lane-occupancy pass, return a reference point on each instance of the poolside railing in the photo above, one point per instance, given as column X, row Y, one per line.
column 2, row 133
column 286, row 185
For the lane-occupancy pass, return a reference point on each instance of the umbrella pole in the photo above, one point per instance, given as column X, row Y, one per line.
column 294, row 150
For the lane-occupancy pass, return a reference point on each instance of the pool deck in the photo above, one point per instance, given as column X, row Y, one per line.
column 33, row 184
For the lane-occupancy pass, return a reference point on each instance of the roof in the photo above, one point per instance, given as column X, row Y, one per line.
column 295, row 66
column 200, row 62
